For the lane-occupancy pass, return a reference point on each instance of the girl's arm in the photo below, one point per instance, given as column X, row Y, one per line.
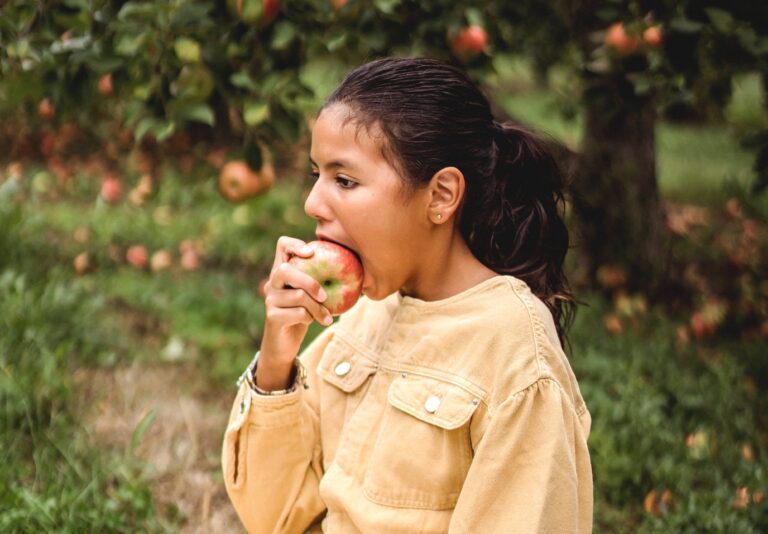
column 271, row 457
column 531, row 471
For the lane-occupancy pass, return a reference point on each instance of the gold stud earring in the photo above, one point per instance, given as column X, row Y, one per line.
column 439, row 216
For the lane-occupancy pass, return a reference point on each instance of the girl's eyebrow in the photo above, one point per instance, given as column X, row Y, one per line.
column 335, row 164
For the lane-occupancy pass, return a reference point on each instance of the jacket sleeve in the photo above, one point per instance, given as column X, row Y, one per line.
column 272, row 459
column 531, row 471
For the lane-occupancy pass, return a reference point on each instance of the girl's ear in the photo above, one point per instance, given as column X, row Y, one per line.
column 446, row 191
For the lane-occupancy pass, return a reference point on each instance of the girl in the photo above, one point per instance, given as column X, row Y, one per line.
column 443, row 401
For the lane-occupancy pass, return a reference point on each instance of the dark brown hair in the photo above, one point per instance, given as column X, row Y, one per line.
column 433, row 116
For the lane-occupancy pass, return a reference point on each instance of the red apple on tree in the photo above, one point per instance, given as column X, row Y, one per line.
column 337, row 269
column 471, row 40
column 617, row 38
column 238, row 182
column 652, row 36
column 105, row 86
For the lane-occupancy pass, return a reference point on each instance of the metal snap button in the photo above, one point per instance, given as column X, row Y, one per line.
column 342, row 368
column 432, row 404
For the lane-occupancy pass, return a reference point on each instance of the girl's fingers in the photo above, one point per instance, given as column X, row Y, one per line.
column 298, row 298
column 289, row 316
column 288, row 247
column 287, row 276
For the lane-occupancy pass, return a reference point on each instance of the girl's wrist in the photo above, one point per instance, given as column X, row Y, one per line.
column 270, row 375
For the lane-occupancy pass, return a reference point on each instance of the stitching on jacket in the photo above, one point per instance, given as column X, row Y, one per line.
column 428, row 372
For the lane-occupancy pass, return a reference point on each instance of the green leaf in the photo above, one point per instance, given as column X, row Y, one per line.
column 145, row 11
column 283, row 35
column 197, row 113
column 243, row 80
column 336, row 41
column 187, row 50
column 140, row 429
column 721, row 19
column 387, row 6
column 252, row 10
column 163, row 130
column 474, row 16
column 104, row 64
column 128, row 45
column 255, row 113
column 286, row 126
column 145, row 124
column 195, row 82
column 684, row 25
column 143, row 91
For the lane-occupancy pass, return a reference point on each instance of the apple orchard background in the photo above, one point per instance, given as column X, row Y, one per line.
column 151, row 152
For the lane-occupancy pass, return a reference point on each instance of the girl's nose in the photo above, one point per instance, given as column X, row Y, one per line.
column 315, row 205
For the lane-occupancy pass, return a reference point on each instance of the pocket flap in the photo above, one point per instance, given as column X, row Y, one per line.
column 345, row 368
column 432, row 400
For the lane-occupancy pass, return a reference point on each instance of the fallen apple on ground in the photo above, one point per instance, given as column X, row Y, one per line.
column 337, row 269
column 137, row 256
column 111, row 189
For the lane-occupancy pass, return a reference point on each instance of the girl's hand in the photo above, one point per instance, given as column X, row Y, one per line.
column 292, row 301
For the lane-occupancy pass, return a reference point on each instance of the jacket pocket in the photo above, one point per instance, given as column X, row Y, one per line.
column 345, row 368
column 422, row 452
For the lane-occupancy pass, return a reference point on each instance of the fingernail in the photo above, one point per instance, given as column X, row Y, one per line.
column 328, row 320
column 321, row 296
column 306, row 250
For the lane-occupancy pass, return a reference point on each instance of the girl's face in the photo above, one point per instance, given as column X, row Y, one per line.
column 357, row 201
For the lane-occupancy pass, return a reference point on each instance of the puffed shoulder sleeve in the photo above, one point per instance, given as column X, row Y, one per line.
column 531, row 471
column 271, row 457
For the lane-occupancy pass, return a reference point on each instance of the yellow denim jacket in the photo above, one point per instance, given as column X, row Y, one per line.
column 458, row 415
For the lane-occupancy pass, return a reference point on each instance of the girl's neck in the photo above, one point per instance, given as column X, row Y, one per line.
column 451, row 269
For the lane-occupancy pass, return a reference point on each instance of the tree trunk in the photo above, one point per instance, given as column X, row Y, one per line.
column 615, row 194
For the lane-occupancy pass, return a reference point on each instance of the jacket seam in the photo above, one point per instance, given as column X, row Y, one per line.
column 423, row 371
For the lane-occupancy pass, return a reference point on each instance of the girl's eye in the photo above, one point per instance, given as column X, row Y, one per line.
column 345, row 183
column 314, row 175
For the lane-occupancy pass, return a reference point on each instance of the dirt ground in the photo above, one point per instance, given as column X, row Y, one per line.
column 182, row 444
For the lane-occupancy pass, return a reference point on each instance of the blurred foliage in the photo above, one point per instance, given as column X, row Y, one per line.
column 678, row 437
column 254, row 72
column 53, row 480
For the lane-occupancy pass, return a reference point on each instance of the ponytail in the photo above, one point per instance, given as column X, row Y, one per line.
column 514, row 225
column 433, row 116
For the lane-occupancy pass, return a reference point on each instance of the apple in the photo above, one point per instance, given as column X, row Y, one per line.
column 338, row 4
column 702, row 326
column 238, row 182
column 251, row 11
column 45, row 109
column 160, row 260
column 190, row 260
column 337, row 269
column 82, row 234
column 616, row 37
column 271, row 9
column 471, row 40
column 81, row 263
column 111, row 189
column 652, row 36
column 105, row 86
column 137, row 256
